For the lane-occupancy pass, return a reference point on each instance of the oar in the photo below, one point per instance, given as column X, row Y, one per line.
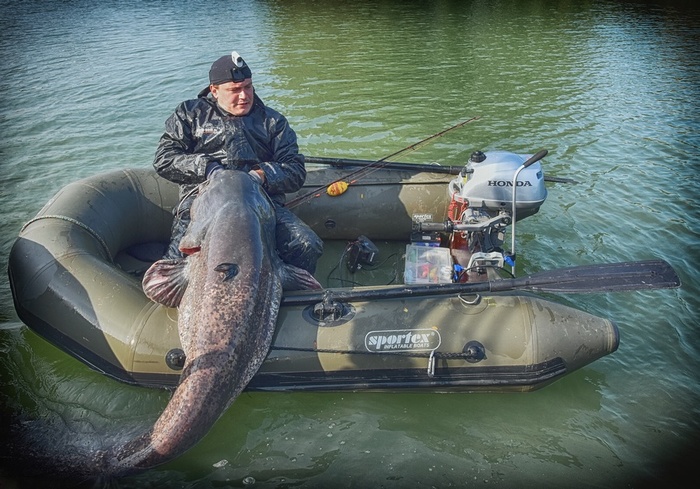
column 608, row 277
column 423, row 167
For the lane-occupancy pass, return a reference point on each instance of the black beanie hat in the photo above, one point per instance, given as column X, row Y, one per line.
column 229, row 68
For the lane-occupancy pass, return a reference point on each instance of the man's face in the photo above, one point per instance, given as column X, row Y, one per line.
column 236, row 98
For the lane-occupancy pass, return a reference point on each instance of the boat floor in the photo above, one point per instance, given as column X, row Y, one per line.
column 332, row 270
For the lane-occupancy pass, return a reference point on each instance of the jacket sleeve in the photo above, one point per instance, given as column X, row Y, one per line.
column 286, row 172
column 175, row 158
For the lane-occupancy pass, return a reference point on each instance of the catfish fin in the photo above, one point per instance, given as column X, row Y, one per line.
column 295, row 278
column 165, row 281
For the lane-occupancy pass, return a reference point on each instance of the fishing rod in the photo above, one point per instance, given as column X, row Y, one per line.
column 366, row 170
column 416, row 167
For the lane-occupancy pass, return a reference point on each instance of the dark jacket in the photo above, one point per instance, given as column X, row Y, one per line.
column 199, row 132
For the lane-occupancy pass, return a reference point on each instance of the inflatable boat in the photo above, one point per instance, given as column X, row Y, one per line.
column 411, row 271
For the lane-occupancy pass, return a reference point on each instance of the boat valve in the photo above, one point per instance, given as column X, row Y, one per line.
column 474, row 352
column 175, row 359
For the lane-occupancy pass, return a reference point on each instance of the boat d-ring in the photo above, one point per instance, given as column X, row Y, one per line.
column 475, row 301
column 431, row 364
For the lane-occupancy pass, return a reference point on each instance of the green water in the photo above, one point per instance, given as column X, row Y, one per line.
column 611, row 89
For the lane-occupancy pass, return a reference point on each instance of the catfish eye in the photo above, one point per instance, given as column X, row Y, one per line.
column 228, row 270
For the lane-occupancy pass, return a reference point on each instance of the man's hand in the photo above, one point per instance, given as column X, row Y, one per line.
column 257, row 175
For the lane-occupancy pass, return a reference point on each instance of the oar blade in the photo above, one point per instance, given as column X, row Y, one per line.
column 608, row 277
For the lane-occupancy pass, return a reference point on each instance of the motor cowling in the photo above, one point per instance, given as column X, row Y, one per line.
column 486, row 183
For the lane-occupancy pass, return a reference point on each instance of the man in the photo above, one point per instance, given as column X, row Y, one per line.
column 228, row 128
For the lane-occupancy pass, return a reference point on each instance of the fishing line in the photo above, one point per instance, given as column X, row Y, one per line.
column 377, row 165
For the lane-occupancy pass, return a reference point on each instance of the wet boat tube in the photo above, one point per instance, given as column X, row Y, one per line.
column 75, row 274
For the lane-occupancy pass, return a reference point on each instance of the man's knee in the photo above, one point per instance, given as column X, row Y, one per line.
column 297, row 243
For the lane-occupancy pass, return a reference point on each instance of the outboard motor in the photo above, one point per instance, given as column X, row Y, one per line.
column 482, row 206
column 485, row 185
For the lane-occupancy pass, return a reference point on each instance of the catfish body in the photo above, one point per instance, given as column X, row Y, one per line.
column 228, row 291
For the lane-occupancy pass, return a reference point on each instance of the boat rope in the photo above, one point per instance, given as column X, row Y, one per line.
column 377, row 165
column 82, row 225
column 423, row 354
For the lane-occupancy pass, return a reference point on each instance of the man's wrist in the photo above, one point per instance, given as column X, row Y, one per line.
column 258, row 175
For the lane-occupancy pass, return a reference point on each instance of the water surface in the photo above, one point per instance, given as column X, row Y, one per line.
column 609, row 88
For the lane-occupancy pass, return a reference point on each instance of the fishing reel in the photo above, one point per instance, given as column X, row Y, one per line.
column 361, row 252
